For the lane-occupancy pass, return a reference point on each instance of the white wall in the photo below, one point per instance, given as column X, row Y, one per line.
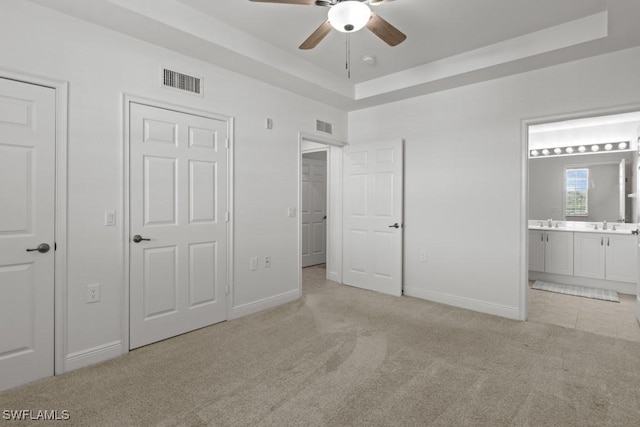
column 100, row 65
column 464, row 173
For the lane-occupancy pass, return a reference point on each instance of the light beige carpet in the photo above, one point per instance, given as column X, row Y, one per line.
column 345, row 357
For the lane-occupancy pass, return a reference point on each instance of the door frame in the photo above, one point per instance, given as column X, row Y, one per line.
column 127, row 100
column 524, row 201
column 334, row 188
column 61, row 89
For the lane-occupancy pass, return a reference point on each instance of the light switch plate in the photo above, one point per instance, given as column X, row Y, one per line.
column 109, row 218
column 292, row 212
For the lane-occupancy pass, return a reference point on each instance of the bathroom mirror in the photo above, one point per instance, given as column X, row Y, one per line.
column 585, row 169
column 592, row 188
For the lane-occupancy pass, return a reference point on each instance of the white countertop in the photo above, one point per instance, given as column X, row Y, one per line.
column 584, row 227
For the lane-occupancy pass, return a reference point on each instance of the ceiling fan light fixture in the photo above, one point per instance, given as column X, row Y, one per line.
column 349, row 16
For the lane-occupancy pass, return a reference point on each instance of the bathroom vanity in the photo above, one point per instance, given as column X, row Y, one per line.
column 585, row 254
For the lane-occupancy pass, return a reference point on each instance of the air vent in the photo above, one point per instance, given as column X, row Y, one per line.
column 181, row 81
column 324, row 127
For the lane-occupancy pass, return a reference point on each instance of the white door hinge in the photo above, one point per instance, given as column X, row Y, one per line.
column 227, row 216
column 226, row 143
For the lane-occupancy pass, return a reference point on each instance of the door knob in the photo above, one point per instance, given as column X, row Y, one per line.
column 396, row 225
column 138, row 238
column 42, row 248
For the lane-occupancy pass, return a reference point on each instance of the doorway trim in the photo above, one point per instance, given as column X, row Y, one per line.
column 127, row 100
column 61, row 89
column 524, row 202
column 334, row 188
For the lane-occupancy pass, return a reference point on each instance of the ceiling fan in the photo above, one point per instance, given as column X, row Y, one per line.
column 348, row 16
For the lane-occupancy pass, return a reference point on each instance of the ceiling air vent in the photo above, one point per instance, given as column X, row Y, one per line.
column 176, row 80
column 324, row 127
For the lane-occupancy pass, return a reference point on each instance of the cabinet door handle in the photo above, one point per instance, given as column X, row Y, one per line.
column 542, row 236
column 607, row 241
column 547, row 237
column 602, row 241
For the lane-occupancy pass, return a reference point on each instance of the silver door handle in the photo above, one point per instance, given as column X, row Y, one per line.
column 396, row 225
column 43, row 248
column 138, row 238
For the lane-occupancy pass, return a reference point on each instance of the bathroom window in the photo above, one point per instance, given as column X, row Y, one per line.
column 577, row 192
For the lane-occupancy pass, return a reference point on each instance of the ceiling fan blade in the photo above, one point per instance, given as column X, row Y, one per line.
column 387, row 32
column 317, row 36
column 302, row 2
column 377, row 2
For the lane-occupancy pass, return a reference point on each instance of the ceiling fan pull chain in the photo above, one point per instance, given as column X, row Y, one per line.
column 348, row 64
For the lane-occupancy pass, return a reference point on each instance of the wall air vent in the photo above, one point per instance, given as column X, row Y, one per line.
column 324, row 127
column 176, row 80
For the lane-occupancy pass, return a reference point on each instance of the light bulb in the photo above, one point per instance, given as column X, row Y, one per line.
column 582, row 149
column 557, row 150
column 534, row 153
column 349, row 16
column 622, row 145
column 569, row 150
column 608, row 147
column 595, row 148
column 545, row 152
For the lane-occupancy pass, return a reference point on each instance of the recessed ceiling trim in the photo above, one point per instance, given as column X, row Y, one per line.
column 572, row 33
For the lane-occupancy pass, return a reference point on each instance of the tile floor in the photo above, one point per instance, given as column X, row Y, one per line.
column 587, row 314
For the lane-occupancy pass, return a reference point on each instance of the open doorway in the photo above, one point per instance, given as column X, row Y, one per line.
column 582, row 222
column 313, row 208
column 320, row 207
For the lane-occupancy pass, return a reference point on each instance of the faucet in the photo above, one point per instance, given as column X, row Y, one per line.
column 595, row 226
column 614, row 227
column 550, row 222
column 604, row 225
column 541, row 223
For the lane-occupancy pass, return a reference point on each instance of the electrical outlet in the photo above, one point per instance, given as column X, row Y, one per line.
column 267, row 262
column 253, row 263
column 269, row 123
column 291, row 212
column 93, row 293
column 423, row 256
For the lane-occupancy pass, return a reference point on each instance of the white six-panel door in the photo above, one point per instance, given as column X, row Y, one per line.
column 372, row 223
column 27, row 199
column 313, row 211
column 178, row 201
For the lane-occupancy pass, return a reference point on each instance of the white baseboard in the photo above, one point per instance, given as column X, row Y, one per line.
column 622, row 287
column 264, row 304
column 466, row 303
column 80, row 359
column 334, row 276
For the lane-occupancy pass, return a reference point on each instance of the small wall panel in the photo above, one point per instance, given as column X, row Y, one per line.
column 17, row 307
column 358, row 195
column 384, row 156
column 318, row 237
column 160, row 281
column 203, row 138
column 359, row 250
column 202, row 273
column 202, row 191
column 305, row 204
column 16, row 186
column 305, row 231
column 359, row 158
column 384, row 194
column 160, row 132
column 383, row 264
column 160, row 192
column 16, row 112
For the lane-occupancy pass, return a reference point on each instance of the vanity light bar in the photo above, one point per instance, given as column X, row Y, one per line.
column 580, row 149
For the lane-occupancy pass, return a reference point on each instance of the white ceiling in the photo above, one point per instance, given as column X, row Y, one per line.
column 449, row 42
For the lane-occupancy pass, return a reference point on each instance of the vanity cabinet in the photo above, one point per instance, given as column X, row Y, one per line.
column 551, row 251
column 605, row 256
column 536, row 250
